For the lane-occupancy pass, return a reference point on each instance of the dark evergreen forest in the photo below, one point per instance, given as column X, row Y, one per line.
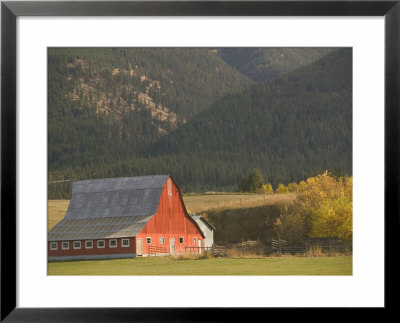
column 194, row 114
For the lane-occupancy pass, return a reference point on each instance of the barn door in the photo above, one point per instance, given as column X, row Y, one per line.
column 199, row 246
column 139, row 247
column 172, row 246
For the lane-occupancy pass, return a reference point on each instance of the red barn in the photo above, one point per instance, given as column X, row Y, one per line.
column 123, row 218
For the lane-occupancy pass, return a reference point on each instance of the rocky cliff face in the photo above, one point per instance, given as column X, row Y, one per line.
column 114, row 91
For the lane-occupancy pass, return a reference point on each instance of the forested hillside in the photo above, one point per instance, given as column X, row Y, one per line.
column 101, row 124
column 108, row 104
column 290, row 128
column 183, row 80
column 264, row 64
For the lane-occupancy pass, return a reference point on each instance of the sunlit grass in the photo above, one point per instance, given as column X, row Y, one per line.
column 201, row 203
column 56, row 212
column 213, row 266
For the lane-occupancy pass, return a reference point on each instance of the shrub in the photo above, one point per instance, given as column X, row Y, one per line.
column 205, row 255
column 192, row 256
column 282, row 189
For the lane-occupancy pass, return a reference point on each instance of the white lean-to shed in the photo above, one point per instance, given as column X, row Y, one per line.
column 206, row 228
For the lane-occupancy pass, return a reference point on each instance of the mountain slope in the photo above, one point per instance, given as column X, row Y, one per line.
column 108, row 104
column 183, row 80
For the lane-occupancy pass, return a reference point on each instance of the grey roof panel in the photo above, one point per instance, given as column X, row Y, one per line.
column 84, row 229
column 118, row 184
column 195, row 216
column 109, row 204
column 138, row 200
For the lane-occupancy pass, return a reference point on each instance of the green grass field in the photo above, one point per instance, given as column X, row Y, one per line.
column 167, row 266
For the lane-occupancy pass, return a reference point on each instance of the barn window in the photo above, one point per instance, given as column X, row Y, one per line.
column 195, row 240
column 125, row 242
column 180, row 239
column 53, row 245
column 112, row 243
column 162, row 241
column 101, row 244
column 77, row 245
column 89, row 244
column 148, row 240
column 65, row 245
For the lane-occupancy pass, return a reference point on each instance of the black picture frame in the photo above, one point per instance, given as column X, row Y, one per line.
column 10, row 10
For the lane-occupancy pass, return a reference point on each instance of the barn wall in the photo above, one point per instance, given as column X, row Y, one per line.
column 170, row 221
column 93, row 251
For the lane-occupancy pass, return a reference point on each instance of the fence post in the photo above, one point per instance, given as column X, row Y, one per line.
column 279, row 243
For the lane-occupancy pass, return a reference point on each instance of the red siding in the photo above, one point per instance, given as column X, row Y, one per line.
column 170, row 221
column 93, row 251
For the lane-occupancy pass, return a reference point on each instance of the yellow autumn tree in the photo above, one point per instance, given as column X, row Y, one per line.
column 268, row 189
column 292, row 187
column 325, row 205
column 282, row 189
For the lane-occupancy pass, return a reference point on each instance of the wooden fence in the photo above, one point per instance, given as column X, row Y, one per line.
column 155, row 250
column 329, row 247
column 282, row 247
column 279, row 247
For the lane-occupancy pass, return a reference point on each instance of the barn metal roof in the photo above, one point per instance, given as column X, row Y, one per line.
column 98, row 228
column 195, row 216
column 112, row 207
column 119, row 184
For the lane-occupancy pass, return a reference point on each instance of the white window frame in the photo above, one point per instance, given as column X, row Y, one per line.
column 116, row 243
column 62, row 245
column 51, row 245
column 86, row 241
column 122, row 243
column 101, row 247
column 183, row 240
column 162, row 240
column 195, row 241
column 80, row 244
column 147, row 240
